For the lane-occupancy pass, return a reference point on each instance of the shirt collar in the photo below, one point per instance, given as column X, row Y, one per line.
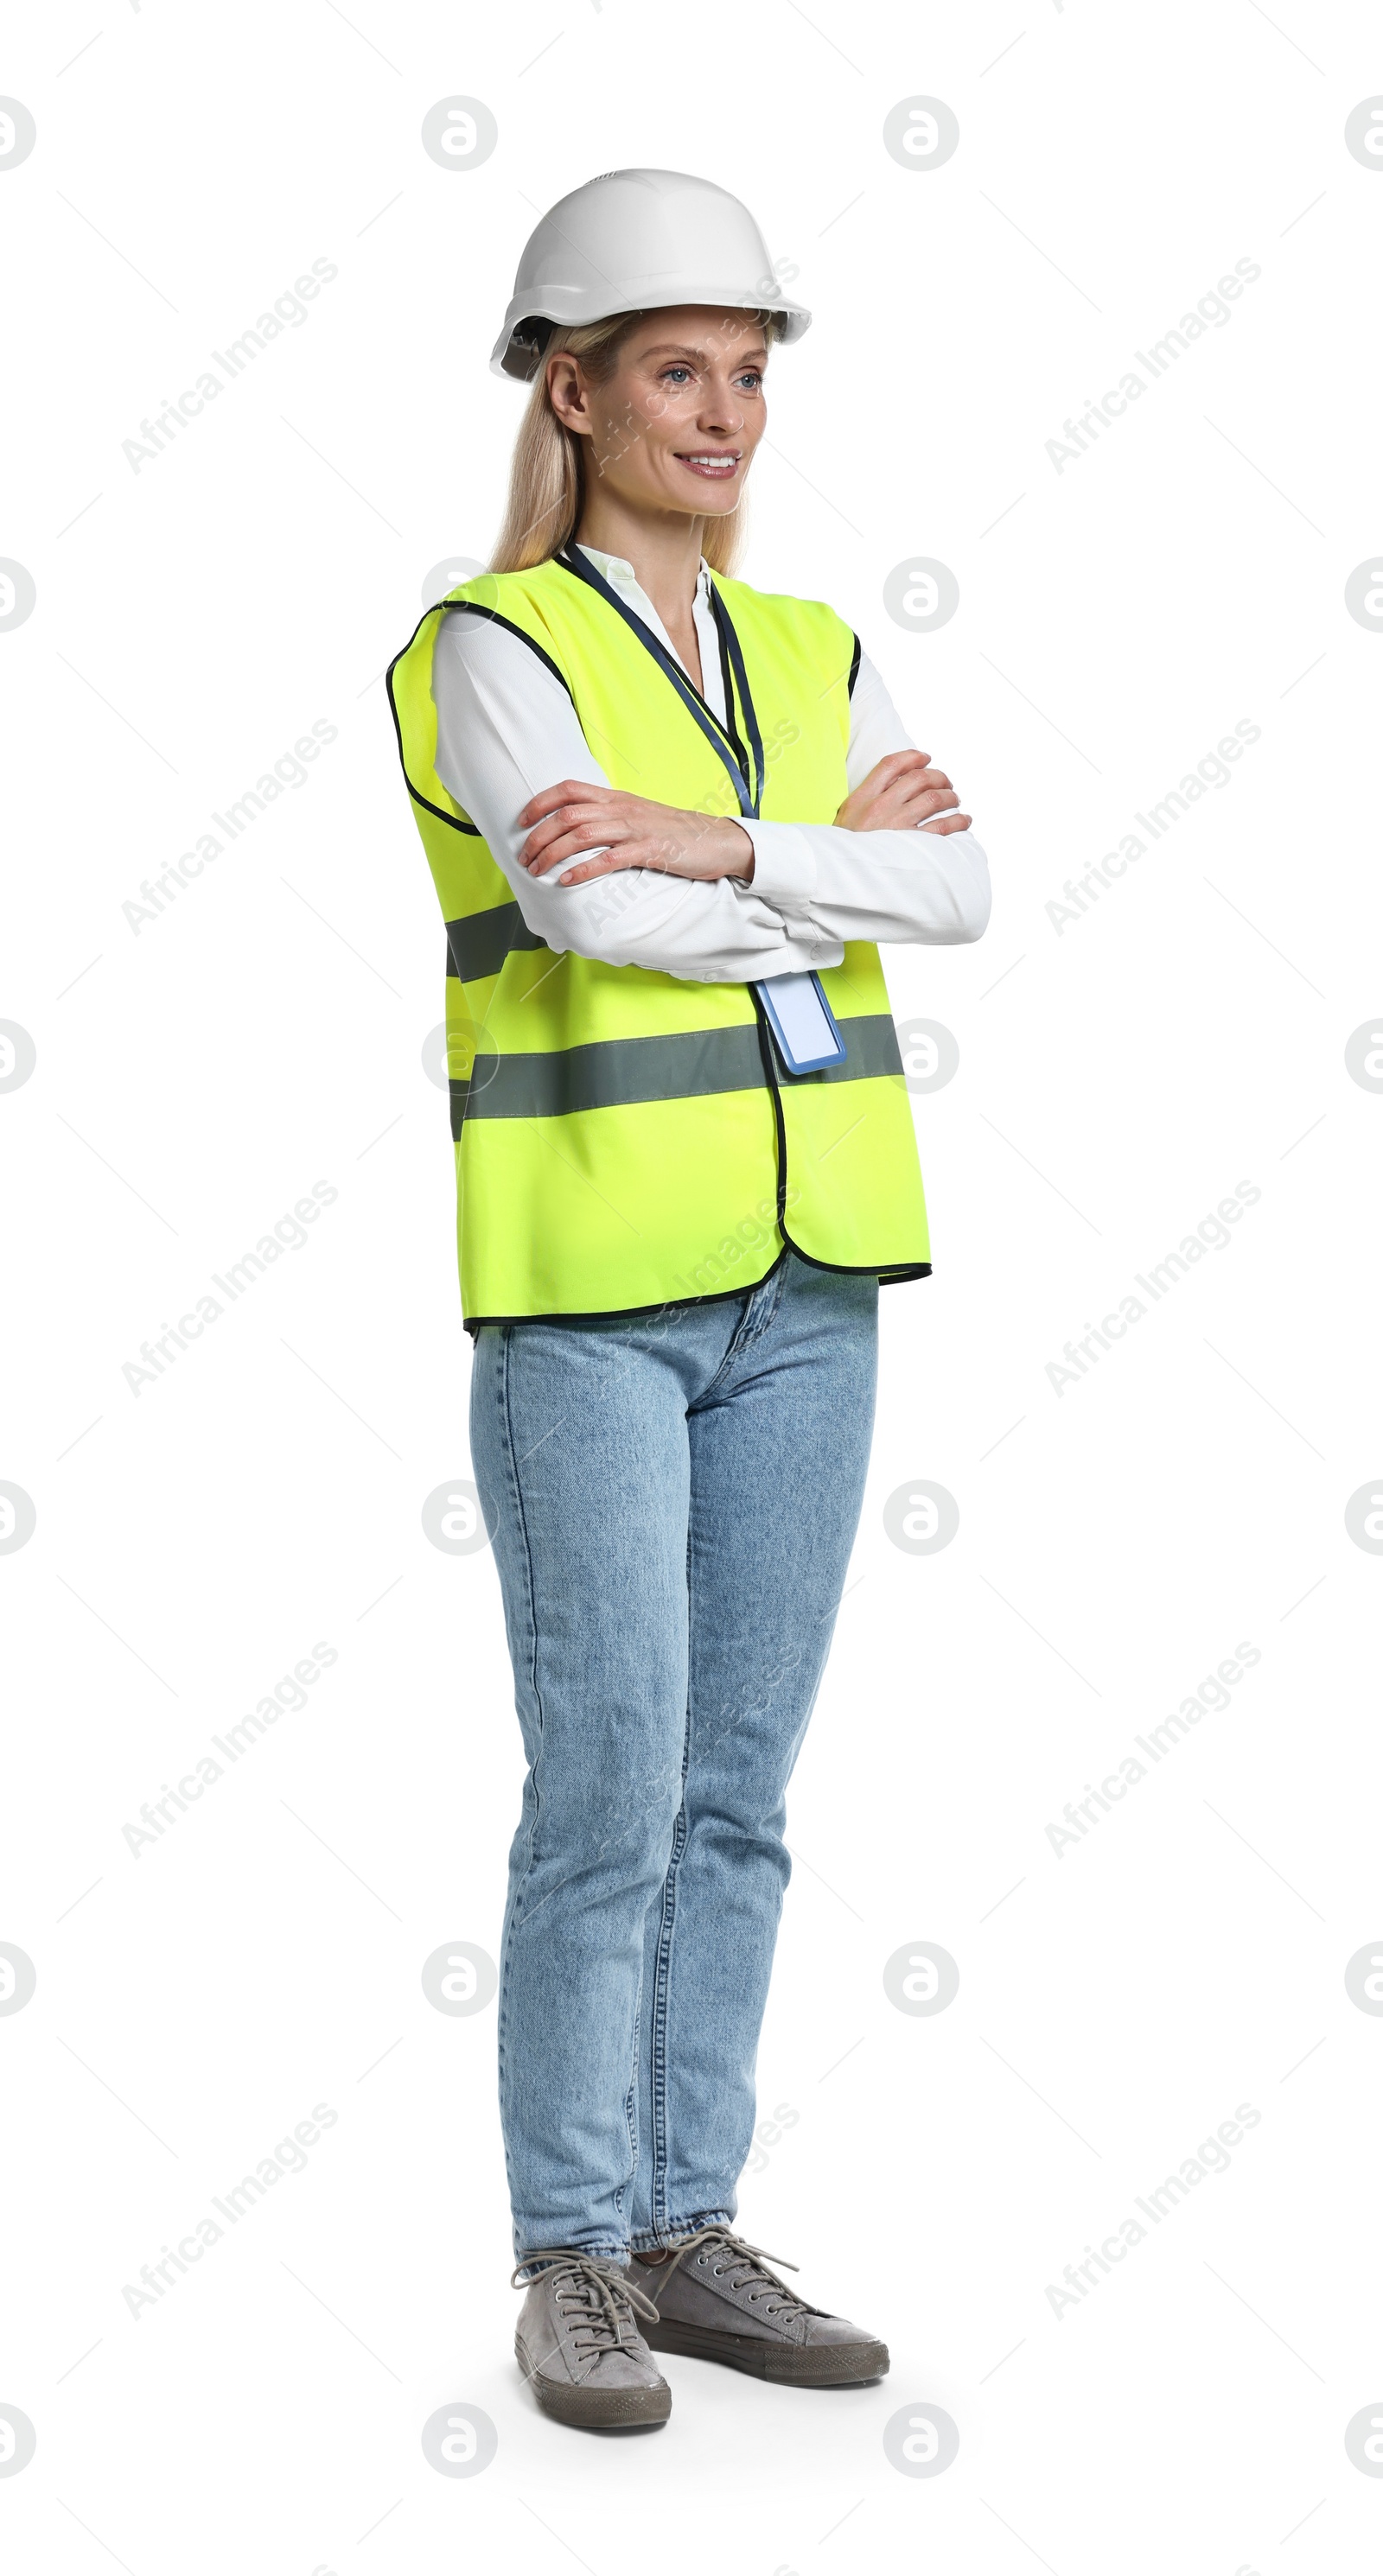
column 622, row 576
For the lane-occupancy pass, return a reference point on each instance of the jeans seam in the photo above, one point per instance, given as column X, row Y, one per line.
column 662, row 1970
column 631, row 2109
column 740, row 1340
column 777, row 1276
column 658, row 2081
column 531, row 1604
column 747, row 1334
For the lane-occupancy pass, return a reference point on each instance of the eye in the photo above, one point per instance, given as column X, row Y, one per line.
column 677, row 370
column 753, row 378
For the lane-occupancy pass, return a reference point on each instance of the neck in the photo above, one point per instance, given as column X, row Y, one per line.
column 663, row 546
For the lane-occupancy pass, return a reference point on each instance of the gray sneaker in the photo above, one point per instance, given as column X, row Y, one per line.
column 578, row 2343
column 717, row 2299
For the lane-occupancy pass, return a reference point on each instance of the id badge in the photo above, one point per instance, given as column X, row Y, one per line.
column 802, row 1022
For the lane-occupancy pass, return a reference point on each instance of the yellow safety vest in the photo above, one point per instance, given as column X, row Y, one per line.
column 626, row 1139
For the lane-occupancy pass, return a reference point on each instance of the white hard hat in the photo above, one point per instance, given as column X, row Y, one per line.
column 634, row 241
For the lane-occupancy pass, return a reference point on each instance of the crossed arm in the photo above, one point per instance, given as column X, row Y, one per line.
column 620, row 877
column 902, row 792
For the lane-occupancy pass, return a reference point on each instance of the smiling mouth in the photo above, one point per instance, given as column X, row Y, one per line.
column 717, row 467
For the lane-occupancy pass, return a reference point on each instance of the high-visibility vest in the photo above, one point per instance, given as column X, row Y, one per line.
column 627, row 1139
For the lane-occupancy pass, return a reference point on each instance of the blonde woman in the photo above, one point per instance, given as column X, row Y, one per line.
column 669, row 818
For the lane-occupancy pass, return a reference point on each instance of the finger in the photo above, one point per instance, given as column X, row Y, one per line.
column 912, row 786
column 576, row 825
column 566, row 789
column 929, row 800
column 900, row 813
column 572, row 845
column 894, row 765
column 554, row 821
column 606, row 863
column 660, row 857
column 950, row 823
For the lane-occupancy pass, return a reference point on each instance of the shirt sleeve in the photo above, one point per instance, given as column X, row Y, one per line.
column 920, row 885
column 506, row 728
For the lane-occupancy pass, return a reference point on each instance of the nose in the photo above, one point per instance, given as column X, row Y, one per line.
column 720, row 409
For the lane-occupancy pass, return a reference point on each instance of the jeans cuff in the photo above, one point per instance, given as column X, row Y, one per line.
column 675, row 2231
column 598, row 2254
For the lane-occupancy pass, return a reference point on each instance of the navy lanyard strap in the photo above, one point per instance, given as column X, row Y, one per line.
column 727, row 692
column 730, row 643
column 724, row 742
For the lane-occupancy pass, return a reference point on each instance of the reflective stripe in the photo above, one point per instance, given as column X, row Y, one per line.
column 873, row 1050
column 479, row 943
column 615, row 1073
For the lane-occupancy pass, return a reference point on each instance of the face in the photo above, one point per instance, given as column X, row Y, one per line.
column 678, row 421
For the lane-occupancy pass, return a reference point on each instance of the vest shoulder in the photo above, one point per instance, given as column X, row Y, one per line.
column 781, row 608
column 507, row 590
column 524, row 600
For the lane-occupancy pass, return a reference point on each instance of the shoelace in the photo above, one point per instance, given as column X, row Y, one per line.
column 747, row 2265
column 583, row 2290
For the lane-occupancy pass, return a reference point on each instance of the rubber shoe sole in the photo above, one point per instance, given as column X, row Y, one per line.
column 595, row 2410
column 797, row 2365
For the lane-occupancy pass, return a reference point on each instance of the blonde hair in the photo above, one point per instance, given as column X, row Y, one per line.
column 547, row 474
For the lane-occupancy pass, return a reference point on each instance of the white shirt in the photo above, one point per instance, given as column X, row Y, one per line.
column 506, row 729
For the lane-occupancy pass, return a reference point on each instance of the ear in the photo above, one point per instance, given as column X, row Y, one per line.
column 567, row 393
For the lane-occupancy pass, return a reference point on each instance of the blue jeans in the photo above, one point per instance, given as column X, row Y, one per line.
column 672, row 1499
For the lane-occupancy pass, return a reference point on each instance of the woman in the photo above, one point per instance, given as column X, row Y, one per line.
column 668, row 817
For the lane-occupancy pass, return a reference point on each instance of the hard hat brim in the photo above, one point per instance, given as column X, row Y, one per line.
column 519, row 353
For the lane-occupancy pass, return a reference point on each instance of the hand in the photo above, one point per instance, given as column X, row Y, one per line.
column 901, row 792
column 639, row 834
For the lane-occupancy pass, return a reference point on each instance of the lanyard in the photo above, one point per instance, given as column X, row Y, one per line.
column 724, row 740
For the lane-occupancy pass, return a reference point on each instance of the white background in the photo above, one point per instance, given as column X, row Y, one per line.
column 1116, row 1540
